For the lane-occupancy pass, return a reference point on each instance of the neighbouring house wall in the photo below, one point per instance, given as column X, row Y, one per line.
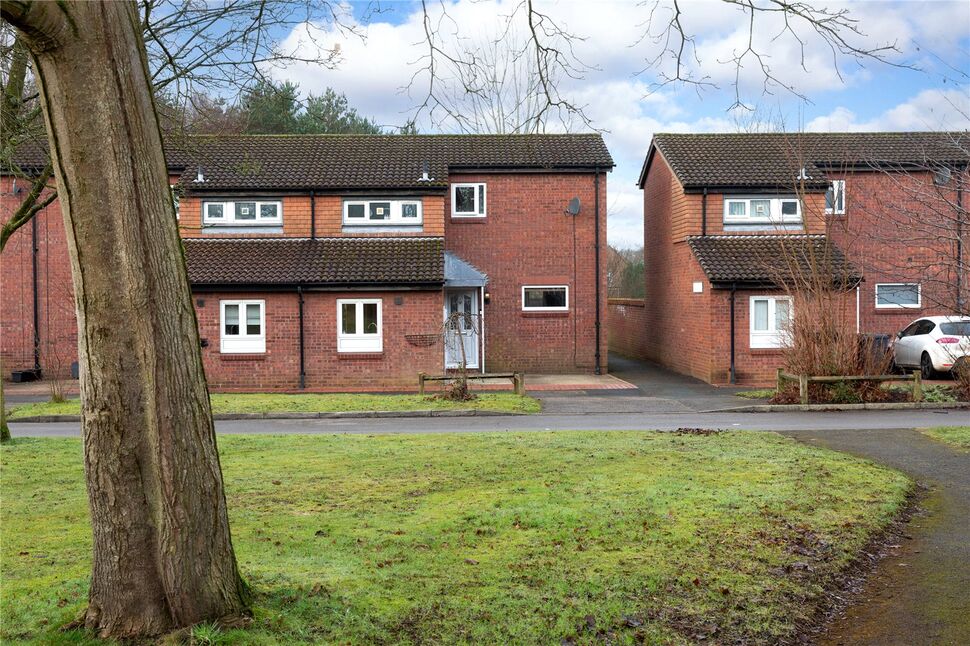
column 57, row 326
column 627, row 326
column 677, row 328
column 900, row 228
column 527, row 238
column 395, row 367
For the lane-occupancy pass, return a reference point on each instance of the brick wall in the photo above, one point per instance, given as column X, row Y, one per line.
column 56, row 315
column 278, row 368
column 527, row 238
column 627, row 326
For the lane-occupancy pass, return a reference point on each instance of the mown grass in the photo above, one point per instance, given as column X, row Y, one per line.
column 956, row 436
column 626, row 537
column 323, row 403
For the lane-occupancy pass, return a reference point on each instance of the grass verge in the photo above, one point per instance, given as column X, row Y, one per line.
column 765, row 393
column 578, row 537
column 955, row 436
column 324, row 403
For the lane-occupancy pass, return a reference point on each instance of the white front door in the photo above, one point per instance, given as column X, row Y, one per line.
column 463, row 324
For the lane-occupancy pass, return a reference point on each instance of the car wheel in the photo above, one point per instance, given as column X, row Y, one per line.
column 926, row 367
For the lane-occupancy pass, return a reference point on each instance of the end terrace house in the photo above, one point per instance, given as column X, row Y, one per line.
column 733, row 221
column 333, row 262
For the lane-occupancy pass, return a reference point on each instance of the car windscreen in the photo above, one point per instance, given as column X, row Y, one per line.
column 960, row 328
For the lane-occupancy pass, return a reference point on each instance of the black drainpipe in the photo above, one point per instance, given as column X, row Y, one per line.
column 299, row 292
column 33, row 262
column 596, row 223
column 313, row 215
column 733, row 372
column 704, row 212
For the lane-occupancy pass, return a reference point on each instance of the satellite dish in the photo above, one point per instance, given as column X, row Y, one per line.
column 942, row 176
column 574, row 206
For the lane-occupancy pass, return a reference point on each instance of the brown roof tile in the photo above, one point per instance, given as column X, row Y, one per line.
column 770, row 260
column 743, row 160
column 321, row 261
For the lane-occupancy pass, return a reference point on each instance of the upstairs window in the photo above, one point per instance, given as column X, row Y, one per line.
column 467, row 200
column 243, row 327
column 243, row 213
column 835, row 198
column 359, row 325
column 762, row 210
column 770, row 321
column 382, row 212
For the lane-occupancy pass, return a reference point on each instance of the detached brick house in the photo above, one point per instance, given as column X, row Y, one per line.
column 731, row 219
column 332, row 262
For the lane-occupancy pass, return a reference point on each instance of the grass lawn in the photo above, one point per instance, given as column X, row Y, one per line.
column 626, row 537
column 956, row 436
column 326, row 403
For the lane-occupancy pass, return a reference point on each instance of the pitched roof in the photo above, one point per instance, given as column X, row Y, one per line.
column 770, row 260
column 740, row 160
column 290, row 162
column 324, row 262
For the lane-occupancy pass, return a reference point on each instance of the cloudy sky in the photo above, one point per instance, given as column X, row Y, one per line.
column 925, row 85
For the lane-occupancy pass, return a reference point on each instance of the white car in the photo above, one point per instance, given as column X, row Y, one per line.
column 933, row 344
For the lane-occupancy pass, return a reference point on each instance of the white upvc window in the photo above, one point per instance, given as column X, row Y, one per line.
column 545, row 298
column 468, row 200
column 835, row 197
column 771, row 318
column 242, row 326
column 898, row 296
column 762, row 209
column 242, row 212
column 176, row 198
column 359, row 325
column 377, row 212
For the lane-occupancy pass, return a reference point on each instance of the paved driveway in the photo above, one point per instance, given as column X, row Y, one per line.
column 659, row 390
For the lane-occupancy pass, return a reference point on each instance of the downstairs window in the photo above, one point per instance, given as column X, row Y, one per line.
column 242, row 327
column 359, row 325
column 770, row 321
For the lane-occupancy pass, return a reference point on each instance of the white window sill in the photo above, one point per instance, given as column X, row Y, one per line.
column 358, row 345
column 254, row 345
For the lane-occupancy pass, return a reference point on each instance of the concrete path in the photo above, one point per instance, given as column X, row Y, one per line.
column 659, row 390
column 548, row 422
column 921, row 593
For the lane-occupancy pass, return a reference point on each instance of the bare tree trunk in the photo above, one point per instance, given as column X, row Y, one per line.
column 163, row 557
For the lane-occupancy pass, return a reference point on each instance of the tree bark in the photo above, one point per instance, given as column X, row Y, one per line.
column 163, row 556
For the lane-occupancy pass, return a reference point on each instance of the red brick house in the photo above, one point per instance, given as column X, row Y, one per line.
column 331, row 262
column 728, row 216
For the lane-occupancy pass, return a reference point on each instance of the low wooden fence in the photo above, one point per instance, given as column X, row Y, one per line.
column 518, row 379
column 804, row 380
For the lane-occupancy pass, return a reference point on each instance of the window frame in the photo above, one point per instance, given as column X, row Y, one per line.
column 564, row 308
column 229, row 213
column 396, row 206
column 775, row 206
column 481, row 200
column 834, row 187
column 242, row 343
column 176, row 198
column 898, row 306
column 360, row 342
column 772, row 338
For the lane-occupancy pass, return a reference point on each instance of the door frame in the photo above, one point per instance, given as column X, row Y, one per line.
column 479, row 297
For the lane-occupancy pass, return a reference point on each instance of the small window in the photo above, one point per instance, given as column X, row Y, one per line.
column 770, row 321
column 382, row 212
column 737, row 208
column 835, row 197
column 243, row 327
column 789, row 208
column 468, row 200
column 898, row 296
column 359, row 326
column 551, row 298
column 243, row 213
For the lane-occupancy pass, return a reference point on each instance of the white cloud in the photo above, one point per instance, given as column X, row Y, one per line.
column 619, row 100
column 933, row 109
